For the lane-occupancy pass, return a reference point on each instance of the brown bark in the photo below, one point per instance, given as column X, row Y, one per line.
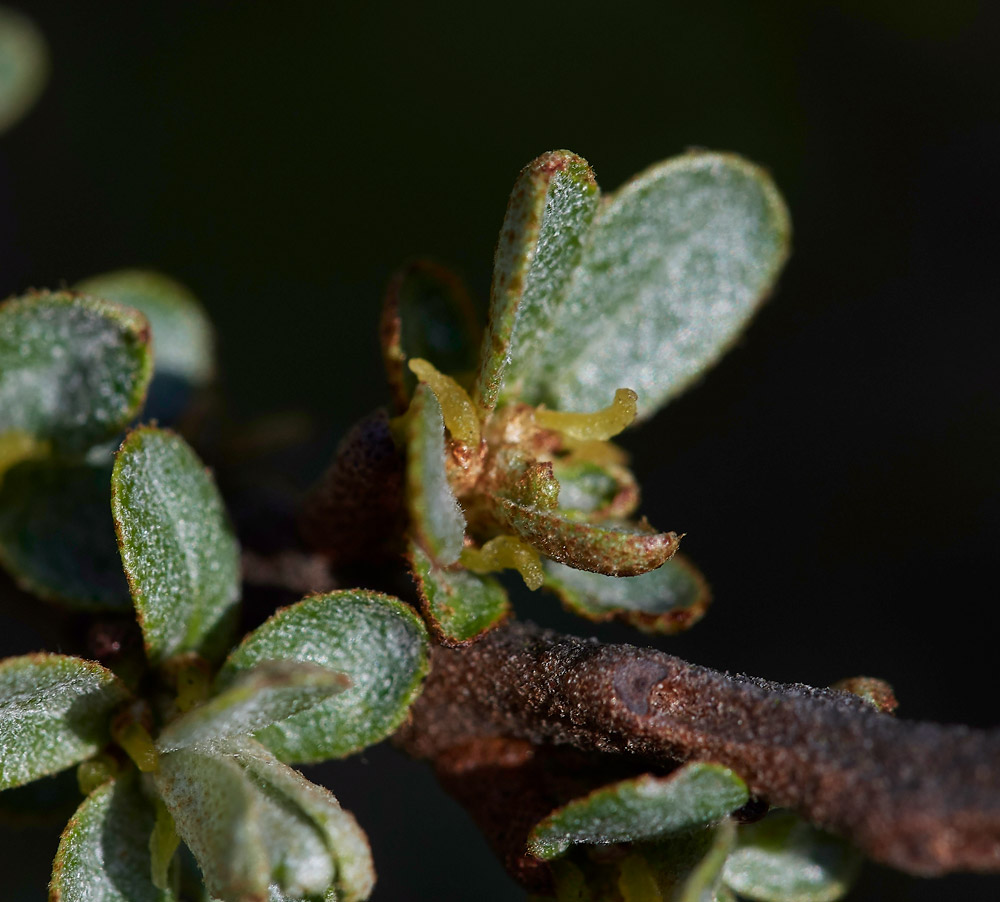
column 920, row 797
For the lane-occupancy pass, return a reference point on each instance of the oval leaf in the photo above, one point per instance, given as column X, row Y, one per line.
column 618, row 549
column 183, row 341
column 783, row 859
column 73, row 370
column 54, row 712
column 675, row 265
column 541, row 241
column 460, row 605
column 666, row 600
column 377, row 641
column 427, row 313
column 57, row 537
column 180, row 554
column 642, row 808
column 256, row 698
column 217, row 811
column 345, row 840
column 103, row 854
column 435, row 516
column 24, row 66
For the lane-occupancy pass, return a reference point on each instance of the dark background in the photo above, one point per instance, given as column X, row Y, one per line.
column 836, row 475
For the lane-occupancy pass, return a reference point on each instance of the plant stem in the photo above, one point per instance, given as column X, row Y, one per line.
column 920, row 797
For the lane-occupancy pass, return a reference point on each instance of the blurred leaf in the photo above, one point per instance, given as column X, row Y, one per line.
column 346, row 842
column 642, row 808
column 704, row 882
column 54, row 712
column 218, row 812
column 103, row 854
column 666, row 600
column 377, row 641
column 617, row 549
column 459, row 605
column 550, row 209
column 878, row 693
column 73, row 370
column 436, row 518
column 783, row 859
column 24, row 66
column 256, row 698
column 180, row 554
column 57, row 536
column 183, row 341
column 674, row 267
column 427, row 313
column 599, row 491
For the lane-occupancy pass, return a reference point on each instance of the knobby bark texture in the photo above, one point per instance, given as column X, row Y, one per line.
column 920, row 797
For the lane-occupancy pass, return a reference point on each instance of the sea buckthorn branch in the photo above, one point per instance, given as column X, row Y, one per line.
column 920, row 797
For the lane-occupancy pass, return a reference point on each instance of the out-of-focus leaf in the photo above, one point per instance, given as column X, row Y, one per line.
column 783, row 859
column 57, row 537
column 218, row 812
column 103, row 854
column 73, row 369
column 256, row 698
column 550, row 209
column 878, row 693
column 674, row 266
column 459, row 605
column 598, row 491
column 704, row 882
column 435, row 516
column 346, row 842
column 377, row 641
column 666, row 600
column 24, row 66
column 183, row 342
column 616, row 549
column 427, row 313
column 54, row 712
column 642, row 808
column 180, row 554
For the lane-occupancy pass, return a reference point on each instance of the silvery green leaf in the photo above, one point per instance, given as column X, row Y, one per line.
column 378, row 642
column 435, row 516
column 178, row 547
column 57, row 537
column 784, row 859
column 666, row 600
column 73, row 369
column 642, row 808
column 615, row 548
column 103, row 854
column 541, row 241
column 459, row 605
column 256, row 698
column 183, row 341
column 218, row 812
column 24, row 66
column 54, row 712
column 674, row 266
column 346, row 843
